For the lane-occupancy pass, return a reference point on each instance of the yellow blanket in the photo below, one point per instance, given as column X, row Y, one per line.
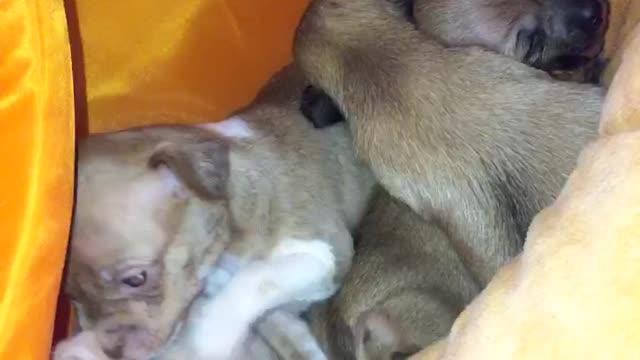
column 575, row 291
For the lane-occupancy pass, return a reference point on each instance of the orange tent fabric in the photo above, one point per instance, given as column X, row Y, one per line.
column 134, row 63
column 36, row 186
column 151, row 61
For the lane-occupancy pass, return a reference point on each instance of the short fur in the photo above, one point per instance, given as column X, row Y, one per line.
column 469, row 139
column 158, row 205
column 406, row 287
column 414, row 317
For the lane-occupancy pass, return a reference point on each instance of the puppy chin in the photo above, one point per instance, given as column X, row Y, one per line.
column 140, row 345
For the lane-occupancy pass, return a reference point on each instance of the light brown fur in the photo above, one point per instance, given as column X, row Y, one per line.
column 574, row 293
column 406, row 287
column 416, row 311
column 469, row 139
column 170, row 199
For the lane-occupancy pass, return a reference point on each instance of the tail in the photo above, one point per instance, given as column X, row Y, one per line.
column 289, row 336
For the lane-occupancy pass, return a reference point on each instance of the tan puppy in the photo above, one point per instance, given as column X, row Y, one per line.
column 574, row 293
column 548, row 34
column 406, row 287
column 410, row 318
column 470, row 139
column 157, row 205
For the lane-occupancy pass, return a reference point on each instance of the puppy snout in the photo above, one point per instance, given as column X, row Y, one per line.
column 574, row 31
column 586, row 17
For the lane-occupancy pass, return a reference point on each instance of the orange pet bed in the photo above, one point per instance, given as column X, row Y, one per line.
column 126, row 63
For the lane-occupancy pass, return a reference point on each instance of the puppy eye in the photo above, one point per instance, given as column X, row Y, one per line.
column 135, row 281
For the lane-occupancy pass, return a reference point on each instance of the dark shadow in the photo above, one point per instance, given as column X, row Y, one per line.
column 63, row 307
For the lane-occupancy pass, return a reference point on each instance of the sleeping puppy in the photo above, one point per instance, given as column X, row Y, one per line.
column 469, row 139
column 396, row 314
column 157, row 206
column 574, row 293
column 562, row 37
column 547, row 34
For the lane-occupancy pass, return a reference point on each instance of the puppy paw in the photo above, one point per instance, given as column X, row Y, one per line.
column 217, row 280
column 84, row 346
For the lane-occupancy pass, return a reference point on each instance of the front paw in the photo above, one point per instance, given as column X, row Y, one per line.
column 84, row 346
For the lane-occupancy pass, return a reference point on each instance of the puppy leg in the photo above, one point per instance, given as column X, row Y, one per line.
column 405, row 323
column 290, row 336
column 296, row 271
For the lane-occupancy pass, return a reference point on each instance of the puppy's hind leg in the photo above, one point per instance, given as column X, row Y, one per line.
column 290, row 336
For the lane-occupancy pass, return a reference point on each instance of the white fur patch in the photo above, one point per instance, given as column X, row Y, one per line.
column 318, row 249
column 233, row 127
column 296, row 271
column 317, row 252
column 170, row 184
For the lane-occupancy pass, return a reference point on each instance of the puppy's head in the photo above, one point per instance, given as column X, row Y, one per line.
column 568, row 35
column 547, row 34
column 151, row 216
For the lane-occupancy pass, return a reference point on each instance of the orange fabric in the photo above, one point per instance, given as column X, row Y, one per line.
column 151, row 61
column 36, row 153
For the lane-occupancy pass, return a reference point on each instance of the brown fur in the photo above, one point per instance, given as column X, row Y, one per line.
column 238, row 195
column 574, row 292
column 471, row 140
column 391, row 231
column 405, row 272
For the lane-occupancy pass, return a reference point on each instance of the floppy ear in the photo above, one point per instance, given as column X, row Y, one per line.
column 621, row 110
column 201, row 166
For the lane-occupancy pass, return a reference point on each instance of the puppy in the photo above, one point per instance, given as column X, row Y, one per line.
column 157, row 206
column 562, row 37
column 415, row 320
column 469, row 139
column 574, row 292
column 406, row 287
column 547, row 34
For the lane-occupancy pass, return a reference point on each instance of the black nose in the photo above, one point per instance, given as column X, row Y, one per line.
column 587, row 15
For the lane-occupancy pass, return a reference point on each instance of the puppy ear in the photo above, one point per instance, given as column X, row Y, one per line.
column 377, row 336
column 621, row 110
column 202, row 166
